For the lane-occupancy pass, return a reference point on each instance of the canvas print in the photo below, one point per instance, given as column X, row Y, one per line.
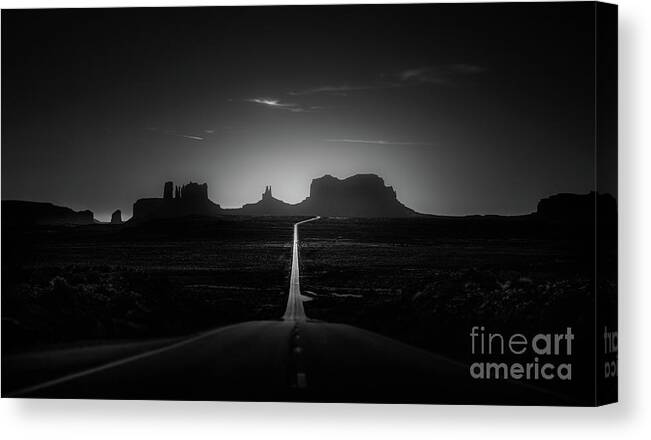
column 355, row 203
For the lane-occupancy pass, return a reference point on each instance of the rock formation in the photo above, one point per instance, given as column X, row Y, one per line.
column 167, row 190
column 190, row 199
column 578, row 207
column 193, row 192
column 361, row 195
column 22, row 213
column 268, row 206
column 267, row 193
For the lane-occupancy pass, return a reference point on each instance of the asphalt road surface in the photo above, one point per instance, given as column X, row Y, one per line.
column 293, row 359
column 295, row 310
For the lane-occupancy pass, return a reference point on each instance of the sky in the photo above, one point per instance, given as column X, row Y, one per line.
column 463, row 109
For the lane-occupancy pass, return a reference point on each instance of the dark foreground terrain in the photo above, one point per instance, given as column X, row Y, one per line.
column 162, row 279
column 429, row 281
column 122, row 290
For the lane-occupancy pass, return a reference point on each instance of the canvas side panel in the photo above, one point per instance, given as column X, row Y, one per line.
column 606, row 203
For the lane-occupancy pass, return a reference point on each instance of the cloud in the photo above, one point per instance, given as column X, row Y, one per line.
column 341, row 89
column 189, row 136
column 421, row 75
column 289, row 106
column 447, row 74
column 270, row 102
column 373, row 142
column 175, row 133
column 440, row 74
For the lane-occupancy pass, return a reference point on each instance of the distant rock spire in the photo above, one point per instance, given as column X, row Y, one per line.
column 116, row 218
column 167, row 192
column 267, row 193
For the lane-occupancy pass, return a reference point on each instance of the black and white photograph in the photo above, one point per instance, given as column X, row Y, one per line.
column 394, row 203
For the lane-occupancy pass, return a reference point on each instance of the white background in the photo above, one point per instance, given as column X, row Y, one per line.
column 631, row 418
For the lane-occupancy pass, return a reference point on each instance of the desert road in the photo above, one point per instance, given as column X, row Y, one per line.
column 295, row 310
column 290, row 359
